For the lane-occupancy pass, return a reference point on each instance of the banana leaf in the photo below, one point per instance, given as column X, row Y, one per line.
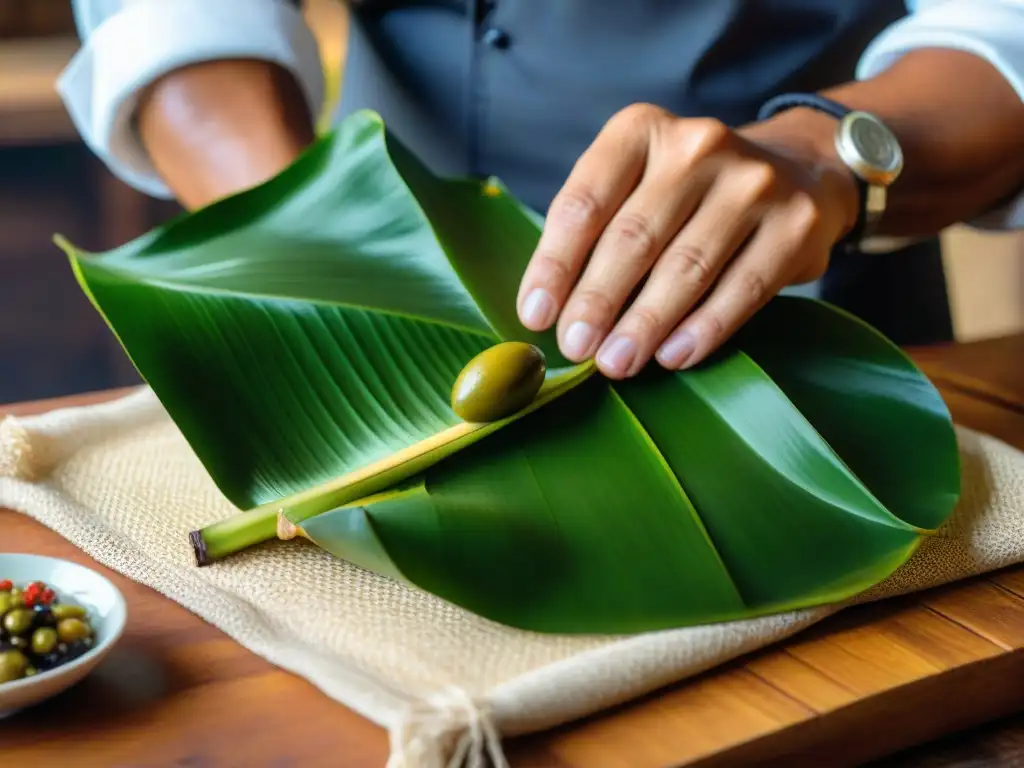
column 304, row 335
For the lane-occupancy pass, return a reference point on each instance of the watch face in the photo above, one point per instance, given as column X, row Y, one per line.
column 875, row 144
column 869, row 149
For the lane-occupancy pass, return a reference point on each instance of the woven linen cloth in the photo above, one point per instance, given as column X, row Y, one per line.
column 119, row 481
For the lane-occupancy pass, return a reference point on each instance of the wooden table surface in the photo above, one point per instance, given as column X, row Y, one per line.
column 864, row 684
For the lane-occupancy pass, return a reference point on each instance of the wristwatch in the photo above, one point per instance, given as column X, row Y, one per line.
column 865, row 145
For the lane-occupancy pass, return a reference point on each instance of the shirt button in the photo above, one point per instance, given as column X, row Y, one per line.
column 497, row 38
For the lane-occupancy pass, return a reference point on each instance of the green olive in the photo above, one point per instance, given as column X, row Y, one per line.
column 16, row 596
column 498, row 382
column 67, row 611
column 70, row 630
column 12, row 666
column 6, row 603
column 44, row 640
column 18, row 621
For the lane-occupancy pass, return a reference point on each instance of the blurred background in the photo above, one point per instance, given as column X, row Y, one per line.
column 53, row 343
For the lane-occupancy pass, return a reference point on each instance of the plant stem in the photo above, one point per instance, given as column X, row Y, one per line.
column 233, row 534
column 260, row 524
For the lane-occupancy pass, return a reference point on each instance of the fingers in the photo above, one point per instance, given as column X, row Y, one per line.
column 602, row 179
column 630, row 241
column 780, row 252
column 666, row 237
column 687, row 268
column 627, row 249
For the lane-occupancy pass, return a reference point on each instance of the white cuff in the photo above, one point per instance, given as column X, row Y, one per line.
column 149, row 38
column 990, row 29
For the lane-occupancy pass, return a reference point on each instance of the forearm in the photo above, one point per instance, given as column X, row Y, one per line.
column 961, row 126
column 218, row 127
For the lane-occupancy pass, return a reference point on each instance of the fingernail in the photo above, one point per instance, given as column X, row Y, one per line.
column 579, row 338
column 538, row 309
column 677, row 350
column 617, row 355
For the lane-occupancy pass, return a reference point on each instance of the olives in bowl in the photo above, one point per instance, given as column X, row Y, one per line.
column 58, row 620
column 38, row 631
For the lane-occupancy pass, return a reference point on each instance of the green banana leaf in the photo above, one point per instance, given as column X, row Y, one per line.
column 305, row 335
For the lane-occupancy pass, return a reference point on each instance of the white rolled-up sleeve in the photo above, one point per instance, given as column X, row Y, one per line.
column 128, row 44
column 991, row 29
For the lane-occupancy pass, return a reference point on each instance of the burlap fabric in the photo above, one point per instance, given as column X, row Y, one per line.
column 119, row 481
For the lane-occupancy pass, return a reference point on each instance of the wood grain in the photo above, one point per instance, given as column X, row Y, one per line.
column 864, row 684
column 700, row 717
column 1012, row 581
column 985, row 608
column 883, row 652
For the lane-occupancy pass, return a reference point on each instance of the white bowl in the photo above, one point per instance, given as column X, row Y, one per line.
column 74, row 584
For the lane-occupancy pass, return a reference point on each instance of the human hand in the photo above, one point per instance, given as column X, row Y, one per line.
column 690, row 228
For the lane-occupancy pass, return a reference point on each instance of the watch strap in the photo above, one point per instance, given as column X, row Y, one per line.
column 850, row 241
column 786, row 101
